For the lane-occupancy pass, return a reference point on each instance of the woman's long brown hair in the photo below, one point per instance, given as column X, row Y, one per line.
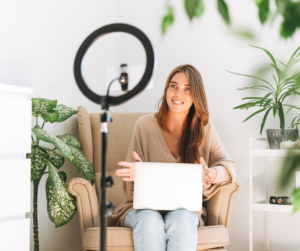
column 198, row 116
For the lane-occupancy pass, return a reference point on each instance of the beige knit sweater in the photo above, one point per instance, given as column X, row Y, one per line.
column 150, row 145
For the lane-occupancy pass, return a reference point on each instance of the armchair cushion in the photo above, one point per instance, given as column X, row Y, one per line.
column 120, row 238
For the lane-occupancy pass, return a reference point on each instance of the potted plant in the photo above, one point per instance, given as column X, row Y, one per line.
column 61, row 205
column 286, row 83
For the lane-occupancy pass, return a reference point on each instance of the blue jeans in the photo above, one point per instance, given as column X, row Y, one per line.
column 171, row 230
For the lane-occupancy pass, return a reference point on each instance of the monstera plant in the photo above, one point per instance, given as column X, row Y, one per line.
column 60, row 203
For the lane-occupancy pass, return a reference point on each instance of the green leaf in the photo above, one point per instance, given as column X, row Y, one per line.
column 35, row 105
column 43, row 104
column 296, row 204
column 264, row 98
column 58, row 216
column 193, row 8
column 64, row 112
column 287, row 28
column 199, row 8
column 281, row 116
column 264, row 120
column 247, row 105
column 275, row 108
column 291, row 63
column 271, row 57
column 56, row 159
column 44, row 108
column 49, row 116
column 223, row 10
column 168, row 20
column 63, row 176
column 263, row 7
column 291, row 164
column 253, row 114
column 243, row 33
column 250, row 76
column 282, row 63
column 38, row 164
column 48, row 137
column 82, row 163
column 296, row 192
column 70, row 139
column 58, row 185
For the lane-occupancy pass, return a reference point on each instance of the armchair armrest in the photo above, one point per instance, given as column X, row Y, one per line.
column 86, row 201
column 219, row 206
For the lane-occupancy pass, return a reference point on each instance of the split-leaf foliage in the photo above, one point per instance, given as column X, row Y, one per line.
column 286, row 83
column 61, row 205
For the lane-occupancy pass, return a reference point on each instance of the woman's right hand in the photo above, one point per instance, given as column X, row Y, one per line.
column 128, row 172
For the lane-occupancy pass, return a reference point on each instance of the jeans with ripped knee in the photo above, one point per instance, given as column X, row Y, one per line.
column 167, row 231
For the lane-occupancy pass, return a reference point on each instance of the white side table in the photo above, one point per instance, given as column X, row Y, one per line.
column 15, row 142
column 264, row 205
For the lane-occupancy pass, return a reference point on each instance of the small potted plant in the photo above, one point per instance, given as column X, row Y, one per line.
column 286, row 83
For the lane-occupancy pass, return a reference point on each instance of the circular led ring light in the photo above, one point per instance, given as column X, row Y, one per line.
column 118, row 27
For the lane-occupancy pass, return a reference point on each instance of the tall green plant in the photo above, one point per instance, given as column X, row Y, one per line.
column 60, row 203
column 286, row 83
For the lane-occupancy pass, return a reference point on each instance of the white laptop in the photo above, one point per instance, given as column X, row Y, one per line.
column 168, row 186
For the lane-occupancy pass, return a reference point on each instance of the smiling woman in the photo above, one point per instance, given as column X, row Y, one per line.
column 180, row 131
column 184, row 121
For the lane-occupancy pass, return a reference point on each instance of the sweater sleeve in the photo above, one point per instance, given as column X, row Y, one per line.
column 222, row 174
column 135, row 145
column 220, row 159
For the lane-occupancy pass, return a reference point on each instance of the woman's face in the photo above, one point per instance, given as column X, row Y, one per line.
column 179, row 98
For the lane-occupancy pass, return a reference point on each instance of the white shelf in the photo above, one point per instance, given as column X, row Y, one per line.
column 15, row 89
column 273, row 152
column 264, row 205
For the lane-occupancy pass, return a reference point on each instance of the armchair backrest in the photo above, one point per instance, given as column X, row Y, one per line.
column 119, row 137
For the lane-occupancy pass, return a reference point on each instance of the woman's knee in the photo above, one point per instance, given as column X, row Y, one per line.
column 146, row 218
column 182, row 217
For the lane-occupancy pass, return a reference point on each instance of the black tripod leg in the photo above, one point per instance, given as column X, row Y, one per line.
column 103, row 209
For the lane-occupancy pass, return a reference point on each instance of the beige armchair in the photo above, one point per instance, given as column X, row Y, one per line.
column 212, row 237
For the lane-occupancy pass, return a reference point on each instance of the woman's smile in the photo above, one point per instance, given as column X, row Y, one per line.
column 177, row 102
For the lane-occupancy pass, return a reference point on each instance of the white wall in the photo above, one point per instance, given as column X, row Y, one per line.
column 38, row 44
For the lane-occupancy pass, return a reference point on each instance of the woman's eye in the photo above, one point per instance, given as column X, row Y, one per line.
column 187, row 89
column 172, row 85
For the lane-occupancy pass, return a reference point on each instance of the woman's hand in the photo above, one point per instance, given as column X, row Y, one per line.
column 209, row 174
column 128, row 172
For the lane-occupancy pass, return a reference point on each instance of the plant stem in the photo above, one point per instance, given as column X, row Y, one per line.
column 37, row 123
column 43, row 124
column 35, row 214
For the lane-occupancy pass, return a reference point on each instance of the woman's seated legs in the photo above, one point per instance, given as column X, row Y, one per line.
column 148, row 230
column 181, row 229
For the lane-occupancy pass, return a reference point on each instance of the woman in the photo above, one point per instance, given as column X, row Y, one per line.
column 180, row 131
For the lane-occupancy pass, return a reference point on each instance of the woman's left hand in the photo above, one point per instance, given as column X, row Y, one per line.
column 209, row 174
